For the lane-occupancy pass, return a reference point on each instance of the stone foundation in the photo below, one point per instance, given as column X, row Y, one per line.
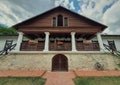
column 43, row 61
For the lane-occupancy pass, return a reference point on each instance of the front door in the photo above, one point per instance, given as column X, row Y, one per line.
column 59, row 63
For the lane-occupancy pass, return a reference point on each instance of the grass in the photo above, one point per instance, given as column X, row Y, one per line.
column 22, row 81
column 97, row 81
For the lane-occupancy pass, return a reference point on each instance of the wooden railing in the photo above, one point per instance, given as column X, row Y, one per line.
column 25, row 46
column 88, row 47
column 66, row 46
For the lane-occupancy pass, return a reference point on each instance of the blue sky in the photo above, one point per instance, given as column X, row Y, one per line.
column 103, row 11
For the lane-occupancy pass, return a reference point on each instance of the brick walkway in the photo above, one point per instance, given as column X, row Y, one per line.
column 59, row 78
column 22, row 73
column 97, row 73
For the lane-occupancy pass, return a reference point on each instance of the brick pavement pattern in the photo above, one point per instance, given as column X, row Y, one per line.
column 59, row 78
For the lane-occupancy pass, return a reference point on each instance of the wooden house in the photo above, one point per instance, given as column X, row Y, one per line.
column 59, row 40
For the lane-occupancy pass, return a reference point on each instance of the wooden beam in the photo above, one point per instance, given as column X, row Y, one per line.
column 61, row 30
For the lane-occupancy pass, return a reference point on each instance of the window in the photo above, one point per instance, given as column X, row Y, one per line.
column 54, row 22
column 112, row 44
column 66, row 21
column 60, row 20
column 8, row 43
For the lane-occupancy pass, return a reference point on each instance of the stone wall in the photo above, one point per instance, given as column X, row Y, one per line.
column 43, row 61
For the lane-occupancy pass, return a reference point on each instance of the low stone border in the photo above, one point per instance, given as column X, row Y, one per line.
column 22, row 73
column 97, row 73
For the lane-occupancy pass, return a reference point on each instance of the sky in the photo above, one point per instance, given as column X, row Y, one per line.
column 106, row 12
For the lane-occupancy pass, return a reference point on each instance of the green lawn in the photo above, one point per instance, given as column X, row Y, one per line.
column 97, row 81
column 22, row 81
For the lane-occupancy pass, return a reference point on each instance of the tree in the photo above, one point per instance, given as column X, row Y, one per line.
column 10, row 30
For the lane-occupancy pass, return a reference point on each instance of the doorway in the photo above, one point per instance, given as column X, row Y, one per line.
column 59, row 63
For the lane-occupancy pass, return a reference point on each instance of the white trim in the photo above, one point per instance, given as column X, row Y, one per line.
column 56, row 52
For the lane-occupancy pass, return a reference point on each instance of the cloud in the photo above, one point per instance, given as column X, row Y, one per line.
column 103, row 11
column 112, row 19
column 93, row 8
column 14, row 11
column 72, row 7
column 8, row 15
column 66, row 3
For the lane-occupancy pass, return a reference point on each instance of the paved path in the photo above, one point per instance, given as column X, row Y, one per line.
column 59, row 78
column 21, row 73
column 56, row 78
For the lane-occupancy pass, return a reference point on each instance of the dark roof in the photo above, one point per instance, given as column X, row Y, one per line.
column 103, row 26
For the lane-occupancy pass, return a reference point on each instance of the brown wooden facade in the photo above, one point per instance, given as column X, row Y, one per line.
column 51, row 22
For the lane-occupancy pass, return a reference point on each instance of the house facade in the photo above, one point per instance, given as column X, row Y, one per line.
column 60, row 40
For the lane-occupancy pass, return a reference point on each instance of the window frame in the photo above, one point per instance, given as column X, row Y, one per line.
column 7, row 43
column 113, row 43
column 53, row 22
column 63, row 21
column 67, row 22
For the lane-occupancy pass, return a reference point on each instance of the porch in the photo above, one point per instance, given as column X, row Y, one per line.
column 59, row 46
column 60, row 42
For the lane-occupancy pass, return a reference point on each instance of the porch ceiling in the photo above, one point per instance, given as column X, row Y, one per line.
column 78, row 35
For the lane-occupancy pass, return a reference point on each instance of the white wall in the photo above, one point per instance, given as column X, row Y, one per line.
column 111, row 38
column 4, row 38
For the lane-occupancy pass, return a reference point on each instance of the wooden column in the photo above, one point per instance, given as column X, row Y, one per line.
column 46, row 47
column 73, row 41
column 100, row 42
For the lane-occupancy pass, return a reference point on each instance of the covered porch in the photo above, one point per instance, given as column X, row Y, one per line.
column 47, row 41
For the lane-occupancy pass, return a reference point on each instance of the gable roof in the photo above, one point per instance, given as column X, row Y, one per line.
column 59, row 7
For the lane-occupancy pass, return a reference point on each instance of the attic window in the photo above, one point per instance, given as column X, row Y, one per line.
column 54, row 22
column 65, row 21
column 60, row 20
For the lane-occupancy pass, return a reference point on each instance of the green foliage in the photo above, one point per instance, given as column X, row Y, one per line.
column 8, row 31
column 97, row 80
column 118, row 65
column 22, row 81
